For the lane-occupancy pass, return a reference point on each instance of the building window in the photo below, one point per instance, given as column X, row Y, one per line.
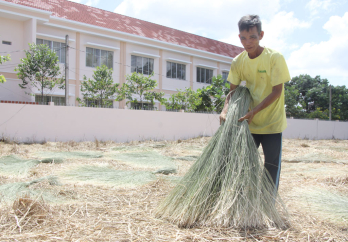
column 59, row 101
column 224, row 76
column 142, row 106
column 58, row 47
column 97, row 103
column 176, row 71
column 204, row 75
column 6, row 42
column 142, row 65
column 97, row 57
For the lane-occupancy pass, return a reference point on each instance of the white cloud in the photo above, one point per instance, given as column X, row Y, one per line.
column 279, row 28
column 217, row 19
column 317, row 5
column 214, row 19
column 92, row 3
column 328, row 59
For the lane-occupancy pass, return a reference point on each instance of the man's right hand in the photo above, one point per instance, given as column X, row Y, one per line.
column 222, row 117
column 224, row 110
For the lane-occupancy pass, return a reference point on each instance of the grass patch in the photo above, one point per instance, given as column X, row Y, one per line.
column 324, row 203
column 70, row 155
column 314, row 158
column 127, row 148
column 107, row 175
column 14, row 165
column 187, row 157
column 11, row 191
column 147, row 159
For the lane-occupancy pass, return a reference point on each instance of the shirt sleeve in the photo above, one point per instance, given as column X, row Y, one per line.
column 279, row 70
column 234, row 75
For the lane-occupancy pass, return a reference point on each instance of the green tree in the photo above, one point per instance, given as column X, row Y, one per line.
column 339, row 102
column 320, row 114
column 187, row 100
column 39, row 69
column 206, row 104
column 293, row 105
column 99, row 91
column 337, row 114
column 312, row 93
column 213, row 96
column 139, row 88
column 3, row 59
column 307, row 97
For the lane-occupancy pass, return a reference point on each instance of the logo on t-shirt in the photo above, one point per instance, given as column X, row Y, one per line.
column 262, row 71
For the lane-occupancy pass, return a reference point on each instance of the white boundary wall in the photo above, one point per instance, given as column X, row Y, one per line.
column 315, row 129
column 36, row 123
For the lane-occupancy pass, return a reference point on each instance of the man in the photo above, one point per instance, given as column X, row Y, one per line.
column 265, row 71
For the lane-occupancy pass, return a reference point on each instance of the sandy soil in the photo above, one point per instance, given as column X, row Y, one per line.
column 314, row 187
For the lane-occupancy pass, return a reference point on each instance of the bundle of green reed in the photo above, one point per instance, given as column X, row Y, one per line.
column 227, row 186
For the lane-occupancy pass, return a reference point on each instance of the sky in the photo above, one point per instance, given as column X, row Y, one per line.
column 311, row 34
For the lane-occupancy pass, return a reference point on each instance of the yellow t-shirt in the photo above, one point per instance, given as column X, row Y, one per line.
column 261, row 74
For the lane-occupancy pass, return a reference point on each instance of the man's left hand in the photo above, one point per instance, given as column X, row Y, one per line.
column 275, row 94
column 249, row 116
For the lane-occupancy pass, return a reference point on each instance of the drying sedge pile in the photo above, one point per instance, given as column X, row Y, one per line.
column 227, row 186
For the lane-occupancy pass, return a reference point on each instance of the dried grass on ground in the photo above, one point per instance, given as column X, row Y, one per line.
column 102, row 211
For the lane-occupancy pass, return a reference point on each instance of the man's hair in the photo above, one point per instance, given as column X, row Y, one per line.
column 249, row 21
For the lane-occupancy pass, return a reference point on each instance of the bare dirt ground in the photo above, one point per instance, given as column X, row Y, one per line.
column 313, row 185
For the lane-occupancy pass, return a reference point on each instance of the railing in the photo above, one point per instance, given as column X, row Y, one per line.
column 140, row 108
column 19, row 102
column 126, row 107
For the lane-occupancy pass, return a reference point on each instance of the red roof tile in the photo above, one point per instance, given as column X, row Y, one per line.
column 102, row 18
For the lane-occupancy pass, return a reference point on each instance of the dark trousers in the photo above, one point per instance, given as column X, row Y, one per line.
column 272, row 149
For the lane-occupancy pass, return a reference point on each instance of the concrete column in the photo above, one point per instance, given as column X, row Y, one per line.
column 160, row 75
column 191, row 72
column 29, row 32
column 160, row 70
column 29, row 38
column 218, row 71
column 78, row 66
column 123, row 70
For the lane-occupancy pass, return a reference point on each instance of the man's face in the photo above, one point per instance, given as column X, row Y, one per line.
column 250, row 39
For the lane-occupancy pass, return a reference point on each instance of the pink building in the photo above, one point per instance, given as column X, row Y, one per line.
column 178, row 59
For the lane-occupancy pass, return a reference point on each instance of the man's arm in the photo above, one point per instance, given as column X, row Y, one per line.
column 224, row 110
column 274, row 95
